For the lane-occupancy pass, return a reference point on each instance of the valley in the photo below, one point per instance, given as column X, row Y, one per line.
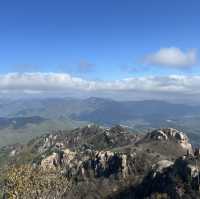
column 21, row 120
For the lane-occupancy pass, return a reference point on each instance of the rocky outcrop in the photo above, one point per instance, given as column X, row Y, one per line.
column 161, row 166
column 176, row 180
column 50, row 161
column 96, row 137
column 90, row 163
column 113, row 163
column 167, row 134
column 188, row 167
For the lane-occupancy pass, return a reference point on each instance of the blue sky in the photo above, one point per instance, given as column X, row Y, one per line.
column 106, row 40
column 54, row 36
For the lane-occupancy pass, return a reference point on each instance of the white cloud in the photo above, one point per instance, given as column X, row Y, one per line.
column 62, row 82
column 172, row 57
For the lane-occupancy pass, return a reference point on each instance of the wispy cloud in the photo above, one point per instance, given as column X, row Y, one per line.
column 85, row 66
column 172, row 57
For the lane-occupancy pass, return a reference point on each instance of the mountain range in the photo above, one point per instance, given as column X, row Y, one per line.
column 23, row 119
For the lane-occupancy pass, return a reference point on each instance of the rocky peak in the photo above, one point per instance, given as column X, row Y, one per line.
column 166, row 134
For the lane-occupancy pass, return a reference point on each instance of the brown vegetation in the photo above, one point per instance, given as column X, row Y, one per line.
column 28, row 182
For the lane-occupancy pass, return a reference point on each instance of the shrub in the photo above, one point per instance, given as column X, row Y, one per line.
column 28, row 182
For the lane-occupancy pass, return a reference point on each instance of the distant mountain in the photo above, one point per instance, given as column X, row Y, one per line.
column 20, row 122
column 112, row 112
column 95, row 109
column 35, row 117
column 56, row 107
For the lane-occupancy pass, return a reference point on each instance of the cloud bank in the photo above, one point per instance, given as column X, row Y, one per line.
column 172, row 57
column 35, row 83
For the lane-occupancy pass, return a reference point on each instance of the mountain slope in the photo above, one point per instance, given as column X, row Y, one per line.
column 102, row 162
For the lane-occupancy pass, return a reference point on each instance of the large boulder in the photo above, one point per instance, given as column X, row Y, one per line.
column 161, row 166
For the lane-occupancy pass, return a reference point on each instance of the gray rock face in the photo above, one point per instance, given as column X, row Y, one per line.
column 188, row 167
column 90, row 163
column 172, row 134
column 86, row 161
column 177, row 180
column 161, row 166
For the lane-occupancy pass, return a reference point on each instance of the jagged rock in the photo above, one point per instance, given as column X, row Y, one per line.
column 193, row 171
column 175, row 180
column 172, row 134
column 124, row 166
column 99, row 163
column 188, row 167
column 161, row 166
column 50, row 161
column 158, row 135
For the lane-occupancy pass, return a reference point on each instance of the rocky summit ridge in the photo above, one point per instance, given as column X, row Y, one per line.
column 113, row 163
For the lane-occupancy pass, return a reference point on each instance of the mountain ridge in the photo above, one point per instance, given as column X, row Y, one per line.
column 108, row 162
column 68, row 113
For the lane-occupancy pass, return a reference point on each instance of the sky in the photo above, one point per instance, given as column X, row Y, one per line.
column 132, row 49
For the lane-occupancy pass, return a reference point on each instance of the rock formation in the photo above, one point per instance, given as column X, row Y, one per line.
column 171, row 134
column 114, row 163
